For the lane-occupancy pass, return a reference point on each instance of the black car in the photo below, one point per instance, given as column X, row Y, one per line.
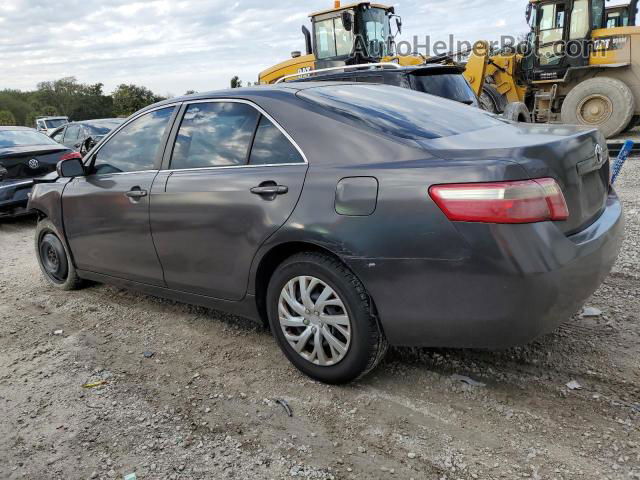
column 347, row 216
column 25, row 154
column 84, row 135
column 444, row 81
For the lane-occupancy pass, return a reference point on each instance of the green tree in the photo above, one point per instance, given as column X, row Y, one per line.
column 128, row 99
column 236, row 82
column 7, row 118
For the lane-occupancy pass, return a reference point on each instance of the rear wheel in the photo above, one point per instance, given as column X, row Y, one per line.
column 605, row 103
column 53, row 258
column 321, row 316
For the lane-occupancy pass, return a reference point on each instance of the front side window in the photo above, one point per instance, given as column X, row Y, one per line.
column 551, row 31
column 136, row 147
column 271, row 146
column 325, row 38
column 58, row 135
column 579, row 20
column 215, row 134
column 71, row 133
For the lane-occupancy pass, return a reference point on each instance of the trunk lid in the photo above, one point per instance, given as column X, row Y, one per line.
column 576, row 157
column 31, row 161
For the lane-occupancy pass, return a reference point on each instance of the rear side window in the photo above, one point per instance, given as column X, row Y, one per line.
column 214, row 134
column 398, row 111
column 271, row 147
column 451, row 86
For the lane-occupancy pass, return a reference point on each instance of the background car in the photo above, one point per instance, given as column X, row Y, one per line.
column 47, row 125
column 445, row 81
column 348, row 216
column 82, row 136
column 25, row 154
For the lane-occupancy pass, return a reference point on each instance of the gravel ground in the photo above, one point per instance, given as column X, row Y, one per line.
column 193, row 393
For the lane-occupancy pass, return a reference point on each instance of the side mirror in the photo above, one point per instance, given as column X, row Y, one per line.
column 347, row 21
column 527, row 13
column 70, row 166
column 3, row 173
column 399, row 24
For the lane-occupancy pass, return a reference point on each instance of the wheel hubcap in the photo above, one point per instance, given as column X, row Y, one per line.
column 314, row 320
column 595, row 110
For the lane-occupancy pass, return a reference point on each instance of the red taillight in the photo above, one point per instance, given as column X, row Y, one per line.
column 70, row 155
column 524, row 201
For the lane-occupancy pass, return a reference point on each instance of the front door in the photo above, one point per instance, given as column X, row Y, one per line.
column 106, row 213
column 234, row 178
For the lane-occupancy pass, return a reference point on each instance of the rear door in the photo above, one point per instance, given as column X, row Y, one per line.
column 233, row 177
column 106, row 213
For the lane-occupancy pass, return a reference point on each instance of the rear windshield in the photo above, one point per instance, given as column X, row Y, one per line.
column 400, row 112
column 23, row 138
column 451, row 86
column 55, row 123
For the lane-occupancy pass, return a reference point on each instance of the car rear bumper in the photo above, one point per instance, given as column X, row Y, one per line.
column 14, row 195
column 519, row 282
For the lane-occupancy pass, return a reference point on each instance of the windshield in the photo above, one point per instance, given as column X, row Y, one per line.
column 375, row 32
column 399, row 112
column 450, row 85
column 23, row 138
column 55, row 123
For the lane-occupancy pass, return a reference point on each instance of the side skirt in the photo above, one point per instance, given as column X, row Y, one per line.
column 244, row 308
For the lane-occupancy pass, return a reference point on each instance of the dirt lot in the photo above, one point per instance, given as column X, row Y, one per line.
column 190, row 392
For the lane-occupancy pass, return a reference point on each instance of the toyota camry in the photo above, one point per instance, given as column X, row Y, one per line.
column 346, row 216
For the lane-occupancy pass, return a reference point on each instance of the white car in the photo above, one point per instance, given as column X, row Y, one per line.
column 47, row 125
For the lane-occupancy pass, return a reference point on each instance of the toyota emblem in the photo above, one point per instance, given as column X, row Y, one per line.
column 34, row 163
column 599, row 155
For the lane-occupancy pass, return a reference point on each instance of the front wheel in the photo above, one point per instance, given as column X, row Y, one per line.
column 54, row 259
column 321, row 316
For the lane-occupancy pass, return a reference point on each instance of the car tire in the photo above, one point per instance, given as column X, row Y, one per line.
column 517, row 112
column 347, row 317
column 491, row 100
column 602, row 102
column 54, row 259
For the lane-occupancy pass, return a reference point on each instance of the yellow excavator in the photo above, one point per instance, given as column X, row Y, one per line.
column 580, row 63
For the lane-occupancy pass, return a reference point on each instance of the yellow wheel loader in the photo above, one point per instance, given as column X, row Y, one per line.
column 572, row 69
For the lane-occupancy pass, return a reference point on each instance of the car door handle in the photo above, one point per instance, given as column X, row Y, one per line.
column 136, row 193
column 270, row 190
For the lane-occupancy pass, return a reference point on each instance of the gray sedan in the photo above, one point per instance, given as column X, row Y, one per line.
column 346, row 216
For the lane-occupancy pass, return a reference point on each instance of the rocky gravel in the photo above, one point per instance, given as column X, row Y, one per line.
column 103, row 382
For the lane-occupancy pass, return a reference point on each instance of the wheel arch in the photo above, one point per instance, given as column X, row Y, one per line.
column 273, row 257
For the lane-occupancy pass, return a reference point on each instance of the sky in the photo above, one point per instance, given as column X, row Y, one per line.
column 179, row 45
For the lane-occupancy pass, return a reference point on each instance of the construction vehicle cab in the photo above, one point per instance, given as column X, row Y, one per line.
column 352, row 34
